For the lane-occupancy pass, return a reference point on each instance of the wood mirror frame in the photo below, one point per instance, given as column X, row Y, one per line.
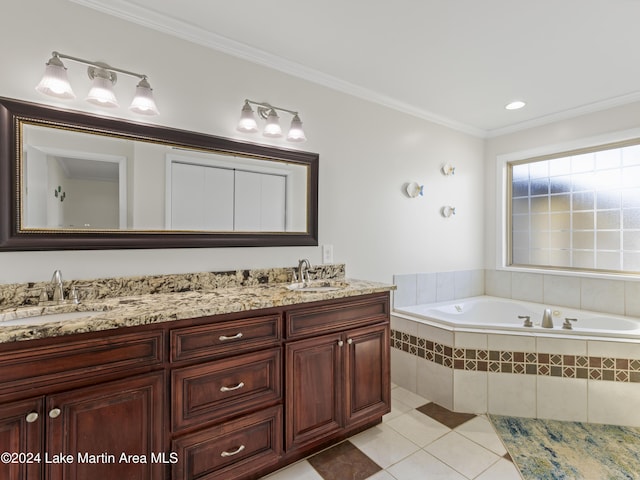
column 14, row 113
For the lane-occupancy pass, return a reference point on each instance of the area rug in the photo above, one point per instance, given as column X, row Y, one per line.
column 549, row 449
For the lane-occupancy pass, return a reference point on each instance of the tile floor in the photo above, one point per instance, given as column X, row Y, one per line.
column 417, row 440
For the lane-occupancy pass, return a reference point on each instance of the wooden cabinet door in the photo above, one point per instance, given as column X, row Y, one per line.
column 111, row 431
column 367, row 389
column 21, row 431
column 313, row 389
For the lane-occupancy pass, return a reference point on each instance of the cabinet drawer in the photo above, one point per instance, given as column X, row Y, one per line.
column 223, row 338
column 208, row 392
column 337, row 315
column 69, row 360
column 230, row 450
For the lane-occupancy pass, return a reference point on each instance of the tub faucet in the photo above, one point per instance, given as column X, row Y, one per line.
column 303, row 270
column 58, row 292
column 547, row 322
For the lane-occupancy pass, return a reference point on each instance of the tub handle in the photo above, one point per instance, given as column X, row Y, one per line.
column 567, row 323
column 527, row 320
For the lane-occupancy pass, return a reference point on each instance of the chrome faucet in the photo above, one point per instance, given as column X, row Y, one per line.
column 547, row 322
column 58, row 292
column 303, row 270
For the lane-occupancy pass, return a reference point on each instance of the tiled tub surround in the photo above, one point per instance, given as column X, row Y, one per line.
column 609, row 295
column 124, row 302
column 546, row 376
column 619, row 297
column 422, row 288
column 519, row 374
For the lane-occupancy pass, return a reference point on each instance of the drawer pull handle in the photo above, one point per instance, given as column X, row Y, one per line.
column 234, row 452
column 340, row 343
column 54, row 413
column 350, row 341
column 224, row 338
column 32, row 417
column 230, row 389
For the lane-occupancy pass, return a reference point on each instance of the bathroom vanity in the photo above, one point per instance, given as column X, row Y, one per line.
column 240, row 389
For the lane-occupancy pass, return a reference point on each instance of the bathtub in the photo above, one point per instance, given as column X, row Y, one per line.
column 474, row 355
column 485, row 313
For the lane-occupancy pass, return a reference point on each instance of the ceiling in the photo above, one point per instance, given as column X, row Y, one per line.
column 455, row 62
column 88, row 169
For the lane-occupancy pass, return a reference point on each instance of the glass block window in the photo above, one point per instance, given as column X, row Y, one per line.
column 577, row 210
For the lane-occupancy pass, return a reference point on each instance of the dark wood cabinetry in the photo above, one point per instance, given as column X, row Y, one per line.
column 21, row 437
column 112, row 430
column 338, row 381
column 220, row 389
column 69, row 438
column 224, row 397
column 233, row 449
column 314, row 390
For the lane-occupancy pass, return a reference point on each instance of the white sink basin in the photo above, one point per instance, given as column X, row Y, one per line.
column 9, row 319
column 318, row 286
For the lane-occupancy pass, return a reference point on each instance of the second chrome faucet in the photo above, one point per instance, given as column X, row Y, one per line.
column 58, row 290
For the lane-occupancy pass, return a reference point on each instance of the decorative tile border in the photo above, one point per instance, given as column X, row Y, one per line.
column 525, row 363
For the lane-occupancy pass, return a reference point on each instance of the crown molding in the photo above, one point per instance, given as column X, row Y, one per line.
column 163, row 23
column 125, row 10
column 566, row 114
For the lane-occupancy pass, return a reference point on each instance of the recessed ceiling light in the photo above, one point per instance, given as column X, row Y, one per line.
column 515, row 105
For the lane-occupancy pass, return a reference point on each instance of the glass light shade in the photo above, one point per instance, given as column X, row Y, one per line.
column 247, row 121
column 101, row 93
column 296, row 133
column 272, row 127
column 54, row 81
column 143, row 102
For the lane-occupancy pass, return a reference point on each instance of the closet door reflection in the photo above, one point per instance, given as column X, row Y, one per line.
column 260, row 201
column 225, row 199
column 201, row 198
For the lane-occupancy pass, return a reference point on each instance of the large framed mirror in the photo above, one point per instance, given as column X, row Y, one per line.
column 70, row 180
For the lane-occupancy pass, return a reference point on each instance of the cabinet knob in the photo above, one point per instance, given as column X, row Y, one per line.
column 340, row 343
column 224, row 338
column 350, row 341
column 54, row 413
column 233, row 452
column 230, row 389
column 32, row 417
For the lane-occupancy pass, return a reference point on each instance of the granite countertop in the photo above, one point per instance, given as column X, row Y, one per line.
column 133, row 310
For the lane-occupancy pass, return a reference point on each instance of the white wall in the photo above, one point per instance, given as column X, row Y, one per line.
column 590, row 125
column 367, row 152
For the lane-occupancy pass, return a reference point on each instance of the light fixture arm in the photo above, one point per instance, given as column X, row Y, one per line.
column 99, row 65
column 264, row 108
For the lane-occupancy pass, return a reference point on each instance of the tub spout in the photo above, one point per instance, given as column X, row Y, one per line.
column 547, row 322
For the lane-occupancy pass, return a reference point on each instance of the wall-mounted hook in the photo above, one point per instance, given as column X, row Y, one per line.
column 447, row 211
column 414, row 190
column 448, row 169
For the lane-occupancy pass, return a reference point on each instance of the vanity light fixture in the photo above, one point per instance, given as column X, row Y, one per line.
column 103, row 77
column 272, row 127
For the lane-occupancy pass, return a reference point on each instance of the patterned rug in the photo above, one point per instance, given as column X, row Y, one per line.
column 549, row 449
